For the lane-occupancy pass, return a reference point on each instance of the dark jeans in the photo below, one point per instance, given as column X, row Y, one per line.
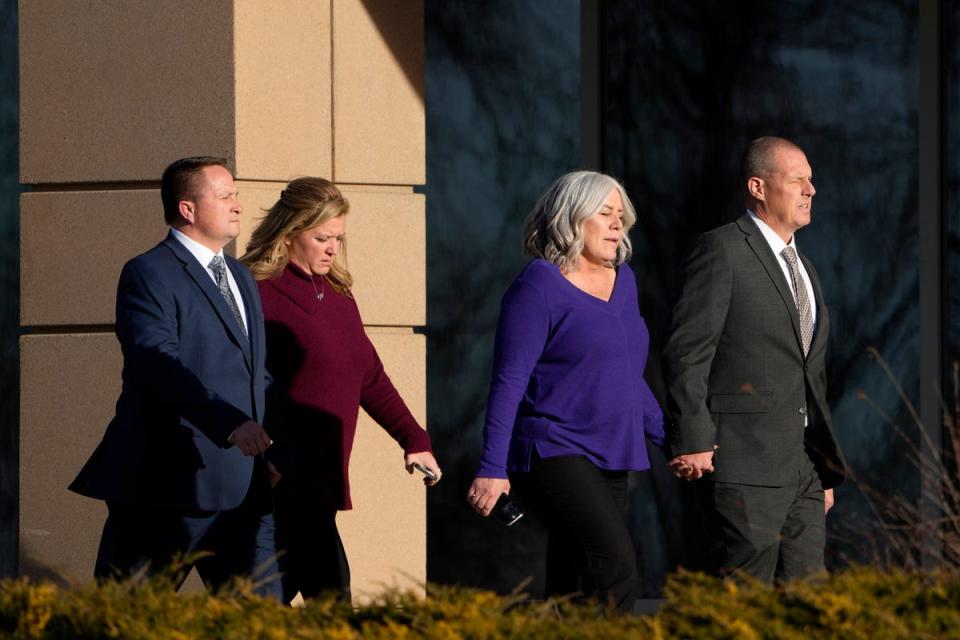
column 589, row 549
column 312, row 558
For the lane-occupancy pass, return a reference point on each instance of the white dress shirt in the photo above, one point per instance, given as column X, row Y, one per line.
column 204, row 256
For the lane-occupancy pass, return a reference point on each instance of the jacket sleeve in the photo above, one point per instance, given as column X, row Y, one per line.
column 698, row 320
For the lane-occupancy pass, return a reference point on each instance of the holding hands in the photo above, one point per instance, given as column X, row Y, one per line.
column 692, row 466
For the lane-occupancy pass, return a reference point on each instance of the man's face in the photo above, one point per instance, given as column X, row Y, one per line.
column 785, row 197
column 214, row 211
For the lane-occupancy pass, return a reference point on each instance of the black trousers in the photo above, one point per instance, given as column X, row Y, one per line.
column 589, row 549
column 312, row 558
column 770, row 533
column 241, row 543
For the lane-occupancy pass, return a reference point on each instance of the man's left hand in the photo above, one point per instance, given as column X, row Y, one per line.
column 827, row 500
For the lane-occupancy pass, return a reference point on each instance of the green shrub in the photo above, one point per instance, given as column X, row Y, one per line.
column 860, row 603
column 153, row 610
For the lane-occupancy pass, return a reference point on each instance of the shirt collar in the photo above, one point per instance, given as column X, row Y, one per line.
column 775, row 241
column 200, row 252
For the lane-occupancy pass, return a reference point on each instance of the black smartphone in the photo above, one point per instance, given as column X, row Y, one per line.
column 507, row 510
column 424, row 470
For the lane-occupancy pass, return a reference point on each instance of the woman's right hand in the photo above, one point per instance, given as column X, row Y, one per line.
column 484, row 493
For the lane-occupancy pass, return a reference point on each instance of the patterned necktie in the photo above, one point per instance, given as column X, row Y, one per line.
column 219, row 268
column 801, row 298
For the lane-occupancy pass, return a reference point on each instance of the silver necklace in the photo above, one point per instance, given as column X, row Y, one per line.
column 323, row 288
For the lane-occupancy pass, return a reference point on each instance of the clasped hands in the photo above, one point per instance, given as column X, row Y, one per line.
column 692, row 466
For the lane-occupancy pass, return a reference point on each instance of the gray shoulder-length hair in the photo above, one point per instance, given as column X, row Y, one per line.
column 554, row 228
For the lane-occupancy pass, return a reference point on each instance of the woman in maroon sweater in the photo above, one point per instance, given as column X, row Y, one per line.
column 324, row 369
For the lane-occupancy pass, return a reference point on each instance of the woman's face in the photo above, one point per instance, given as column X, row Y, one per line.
column 603, row 231
column 314, row 250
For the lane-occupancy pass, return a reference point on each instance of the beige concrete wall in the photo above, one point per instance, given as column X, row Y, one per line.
column 68, row 385
column 383, row 534
column 114, row 90
column 378, row 57
column 111, row 92
column 72, row 247
column 283, row 89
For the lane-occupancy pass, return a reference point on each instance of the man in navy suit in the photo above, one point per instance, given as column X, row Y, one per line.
column 181, row 464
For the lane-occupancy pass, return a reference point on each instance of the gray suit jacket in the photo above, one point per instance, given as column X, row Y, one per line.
column 734, row 366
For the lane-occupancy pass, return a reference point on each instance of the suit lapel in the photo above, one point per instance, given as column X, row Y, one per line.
column 204, row 282
column 771, row 264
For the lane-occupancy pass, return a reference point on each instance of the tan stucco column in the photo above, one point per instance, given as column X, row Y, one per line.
column 111, row 92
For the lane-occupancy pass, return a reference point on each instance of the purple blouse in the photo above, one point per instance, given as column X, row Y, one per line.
column 568, row 376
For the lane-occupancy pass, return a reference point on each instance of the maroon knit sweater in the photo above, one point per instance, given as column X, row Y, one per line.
column 324, row 369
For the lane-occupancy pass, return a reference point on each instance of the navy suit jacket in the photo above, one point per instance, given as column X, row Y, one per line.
column 190, row 377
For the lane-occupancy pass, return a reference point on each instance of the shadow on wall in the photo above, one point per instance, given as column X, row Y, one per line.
column 395, row 21
column 38, row 571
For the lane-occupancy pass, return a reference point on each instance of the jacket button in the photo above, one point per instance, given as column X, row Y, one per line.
column 802, row 411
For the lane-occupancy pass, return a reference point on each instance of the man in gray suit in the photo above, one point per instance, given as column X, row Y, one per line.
column 746, row 381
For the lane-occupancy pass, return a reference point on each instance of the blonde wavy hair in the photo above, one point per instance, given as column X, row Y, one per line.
column 304, row 204
column 554, row 228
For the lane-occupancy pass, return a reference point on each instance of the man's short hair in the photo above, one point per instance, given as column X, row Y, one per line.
column 758, row 158
column 181, row 180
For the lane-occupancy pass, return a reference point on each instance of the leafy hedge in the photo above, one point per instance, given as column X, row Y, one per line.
column 860, row 603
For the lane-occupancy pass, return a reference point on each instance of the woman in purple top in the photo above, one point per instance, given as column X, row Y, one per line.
column 569, row 411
